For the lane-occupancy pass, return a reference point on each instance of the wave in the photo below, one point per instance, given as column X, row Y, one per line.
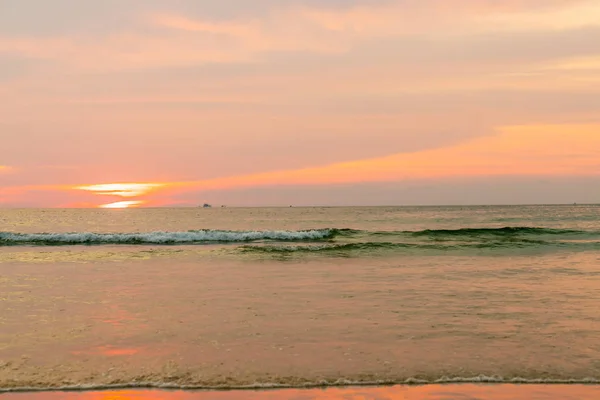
column 161, row 238
column 505, row 231
column 372, row 247
column 423, row 239
column 333, row 248
column 281, row 384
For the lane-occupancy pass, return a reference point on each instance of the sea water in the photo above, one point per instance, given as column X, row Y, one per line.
column 299, row 297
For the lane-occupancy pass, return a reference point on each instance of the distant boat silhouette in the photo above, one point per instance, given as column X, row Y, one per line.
column 206, row 205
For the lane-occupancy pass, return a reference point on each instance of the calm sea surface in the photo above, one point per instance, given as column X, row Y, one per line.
column 234, row 297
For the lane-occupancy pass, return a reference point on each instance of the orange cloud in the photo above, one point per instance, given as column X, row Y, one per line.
column 578, row 14
column 520, row 150
column 534, row 150
column 434, row 17
column 283, row 30
column 216, row 98
column 496, row 7
column 577, row 64
column 540, row 150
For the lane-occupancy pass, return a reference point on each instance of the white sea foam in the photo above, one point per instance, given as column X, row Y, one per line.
column 201, row 236
column 316, row 384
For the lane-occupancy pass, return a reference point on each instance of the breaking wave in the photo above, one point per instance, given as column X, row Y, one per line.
column 370, row 247
column 296, row 383
column 327, row 240
column 160, row 238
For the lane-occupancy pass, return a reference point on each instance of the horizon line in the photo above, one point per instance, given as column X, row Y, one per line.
column 311, row 206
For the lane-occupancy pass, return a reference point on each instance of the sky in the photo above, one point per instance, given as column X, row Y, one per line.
column 146, row 103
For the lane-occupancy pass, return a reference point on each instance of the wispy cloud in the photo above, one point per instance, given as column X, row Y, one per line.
column 183, row 23
column 585, row 64
column 201, row 95
column 196, row 40
column 577, row 14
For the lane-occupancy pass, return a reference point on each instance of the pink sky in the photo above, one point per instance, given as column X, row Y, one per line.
column 275, row 102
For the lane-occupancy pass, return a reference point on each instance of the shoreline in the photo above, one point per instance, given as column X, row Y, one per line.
column 487, row 381
column 406, row 392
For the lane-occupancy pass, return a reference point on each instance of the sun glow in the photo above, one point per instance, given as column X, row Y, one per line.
column 121, row 189
column 122, row 204
column 124, row 190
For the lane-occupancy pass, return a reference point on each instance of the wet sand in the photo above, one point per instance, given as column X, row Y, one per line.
column 190, row 320
column 431, row 392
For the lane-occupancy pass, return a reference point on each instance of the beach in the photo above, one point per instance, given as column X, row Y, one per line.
column 345, row 300
column 300, row 199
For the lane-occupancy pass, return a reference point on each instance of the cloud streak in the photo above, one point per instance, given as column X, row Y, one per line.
column 538, row 150
column 553, row 151
column 529, row 150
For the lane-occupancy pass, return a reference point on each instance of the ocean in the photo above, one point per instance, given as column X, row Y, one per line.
column 226, row 298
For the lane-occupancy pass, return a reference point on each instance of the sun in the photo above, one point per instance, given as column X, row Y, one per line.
column 121, row 189
column 122, row 204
